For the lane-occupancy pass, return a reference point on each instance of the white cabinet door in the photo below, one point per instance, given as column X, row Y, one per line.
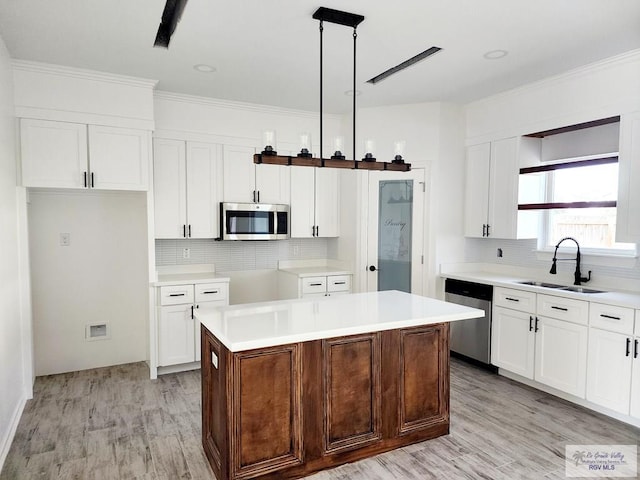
column 54, row 154
column 272, row 184
column 635, row 380
column 609, row 370
column 561, row 355
column 628, row 206
column 176, row 335
column 239, row 175
column 204, row 184
column 503, row 189
column 476, row 209
column 513, row 341
column 327, row 202
column 118, row 158
column 169, row 188
column 302, row 213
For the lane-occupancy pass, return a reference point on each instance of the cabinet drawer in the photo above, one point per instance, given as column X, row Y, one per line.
column 515, row 299
column 576, row 311
column 206, row 292
column 176, row 294
column 338, row 283
column 612, row 318
column 314, row 285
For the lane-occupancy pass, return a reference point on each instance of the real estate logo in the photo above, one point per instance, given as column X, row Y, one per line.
column 601, row 461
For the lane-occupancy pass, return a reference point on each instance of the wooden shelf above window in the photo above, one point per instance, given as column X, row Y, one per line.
column 330, row 163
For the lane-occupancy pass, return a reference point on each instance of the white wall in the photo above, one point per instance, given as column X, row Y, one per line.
column 13, row 388
column 101, row 276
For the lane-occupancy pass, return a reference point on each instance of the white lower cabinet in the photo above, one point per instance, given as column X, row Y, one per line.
column 292, row 285
column 178, row 330
column 561, row 355
column 552, row 351
column 512, row 342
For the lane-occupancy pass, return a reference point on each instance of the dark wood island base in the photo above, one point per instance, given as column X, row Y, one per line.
column 291, row 410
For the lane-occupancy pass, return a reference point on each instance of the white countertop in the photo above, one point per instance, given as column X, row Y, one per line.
column 620, row 298
column 188, row 278
column 315, row 271
column 258, row 325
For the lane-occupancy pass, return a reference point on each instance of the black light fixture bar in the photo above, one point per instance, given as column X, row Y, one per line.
column 337, row 16
column 170, row 17
column 407, row 63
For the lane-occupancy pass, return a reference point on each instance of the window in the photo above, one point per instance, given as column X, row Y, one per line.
column 577, row 199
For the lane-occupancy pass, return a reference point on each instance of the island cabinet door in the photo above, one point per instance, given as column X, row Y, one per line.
column 266, row 411
column 423, row 378
column 352, row 398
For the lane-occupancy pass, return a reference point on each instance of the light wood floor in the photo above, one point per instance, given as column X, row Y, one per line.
column 114, row 423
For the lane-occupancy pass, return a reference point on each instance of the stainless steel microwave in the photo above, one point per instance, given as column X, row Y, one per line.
column 254, row 221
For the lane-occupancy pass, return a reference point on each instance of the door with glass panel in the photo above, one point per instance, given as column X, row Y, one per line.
column 395, row 231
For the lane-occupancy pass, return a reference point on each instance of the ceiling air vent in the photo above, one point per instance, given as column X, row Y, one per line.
column 407, row 63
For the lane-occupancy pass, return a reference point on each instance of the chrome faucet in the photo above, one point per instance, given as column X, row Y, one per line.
column 577, row 275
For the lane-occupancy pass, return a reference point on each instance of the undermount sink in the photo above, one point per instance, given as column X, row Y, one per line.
column 541, row 284
column 577, row 289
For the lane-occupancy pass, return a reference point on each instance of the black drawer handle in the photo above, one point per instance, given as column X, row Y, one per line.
column 339, row 283
column 209, row 292
column 635, row 349
column 628, row 347
column 609, row 316
column 512, row 299
column 315, row 284
column 177, row 294
column 537, row 324
column 530, row 322
column 560, row 308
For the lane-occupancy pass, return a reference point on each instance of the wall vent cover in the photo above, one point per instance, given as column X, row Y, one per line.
column 97, row 331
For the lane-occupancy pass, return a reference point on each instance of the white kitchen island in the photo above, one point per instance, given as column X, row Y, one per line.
column 295, row 386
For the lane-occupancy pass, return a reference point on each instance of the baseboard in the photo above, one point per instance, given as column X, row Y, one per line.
column 183, row 367
column 7, row 440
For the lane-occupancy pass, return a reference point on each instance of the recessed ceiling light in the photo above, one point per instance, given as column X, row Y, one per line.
column 204, row 68
column 349, row 93
column 495, row 54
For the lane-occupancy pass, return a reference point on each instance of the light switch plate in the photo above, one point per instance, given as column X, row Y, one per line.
column 65, row 239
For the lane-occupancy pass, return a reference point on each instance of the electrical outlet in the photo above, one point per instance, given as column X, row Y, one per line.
column 499, row 253
column 65, row 239
column 186, row 253
column 296, row 250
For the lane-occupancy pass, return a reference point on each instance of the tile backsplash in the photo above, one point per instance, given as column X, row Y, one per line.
column 238, row 256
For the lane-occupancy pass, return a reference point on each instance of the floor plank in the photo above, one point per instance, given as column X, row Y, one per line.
column 116, row 423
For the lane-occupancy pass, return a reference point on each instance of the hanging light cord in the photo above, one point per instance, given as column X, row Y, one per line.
column 355, row 36
column 321, row 30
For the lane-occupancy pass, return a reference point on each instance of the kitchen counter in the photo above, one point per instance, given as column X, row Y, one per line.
column 258, row 325
column 188, row 278
column 619, row 298
column 304, row 272
column 297, row 386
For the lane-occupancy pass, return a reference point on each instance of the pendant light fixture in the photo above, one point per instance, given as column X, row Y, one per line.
column 338, row 159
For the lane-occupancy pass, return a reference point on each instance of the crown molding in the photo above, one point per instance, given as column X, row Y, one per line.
column 632, row 56
column 63, row 71
column 235, row 105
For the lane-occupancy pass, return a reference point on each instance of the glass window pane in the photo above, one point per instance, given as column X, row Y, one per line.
column 394, row 235
column 593, row 183
column 592, row 227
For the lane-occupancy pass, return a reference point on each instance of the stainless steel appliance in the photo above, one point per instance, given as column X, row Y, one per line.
column 254, row 221
column 471, row 339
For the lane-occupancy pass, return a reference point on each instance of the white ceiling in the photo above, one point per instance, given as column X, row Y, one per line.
column 267, row 51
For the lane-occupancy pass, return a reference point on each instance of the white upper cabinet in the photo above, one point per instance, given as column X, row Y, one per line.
column 54, row 154
column 119, row 158
column 71, row 155
column 187, row 185
column 246, row 182
column 491, row 189
column 628, row 206
column 314, row 202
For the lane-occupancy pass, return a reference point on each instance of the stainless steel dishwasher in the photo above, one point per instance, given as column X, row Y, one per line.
column 471, row 339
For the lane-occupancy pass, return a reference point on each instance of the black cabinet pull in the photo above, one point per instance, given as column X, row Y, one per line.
column 488, row 229
column 512, row 299
column 85, row 179
column 315, row 284
column 635, row 349
column 484, row 230
column 339, row 283
column 609, row 316
column 317, row 231
column 189, row 230
column 92, row 183
column 209, row 292
column 177, row 294
column 184, row 231
column 254, row 196
column 628, row 347
column 537, row 320
column 560, row 308
column 530, row 323
column 258, row 196
column 191, row 312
